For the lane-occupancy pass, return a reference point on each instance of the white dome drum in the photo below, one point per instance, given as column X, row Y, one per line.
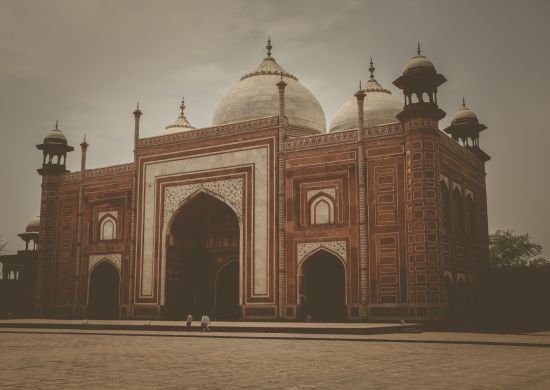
column 257, row 96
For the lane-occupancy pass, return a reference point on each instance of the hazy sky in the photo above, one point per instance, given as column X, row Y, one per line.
column 87, row 63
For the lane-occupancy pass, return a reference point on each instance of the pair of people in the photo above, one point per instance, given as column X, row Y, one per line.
column 205, row 323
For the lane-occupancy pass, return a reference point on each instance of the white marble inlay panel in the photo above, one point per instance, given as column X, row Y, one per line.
column 101, row 214
column 329, row 191
column 114, row 258
column 231, row 190
column 256, row 157
column 339, row 247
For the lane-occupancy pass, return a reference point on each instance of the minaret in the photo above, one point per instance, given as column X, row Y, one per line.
column 420, row 118
column 54, row 150
column 465, row 127
column 363, row 260
column 78, row 309
column 129, row 311
column 283, row 123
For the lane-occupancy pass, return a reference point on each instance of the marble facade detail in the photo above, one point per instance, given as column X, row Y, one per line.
column 305, row 248
column 113, row 258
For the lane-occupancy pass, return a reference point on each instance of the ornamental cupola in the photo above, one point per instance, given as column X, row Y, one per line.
column 419, row 83
column 54, row 150
column 180, row 124
column 465, row 129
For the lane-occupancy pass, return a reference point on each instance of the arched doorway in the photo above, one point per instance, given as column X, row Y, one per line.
column 202, row 261
column 323, row 287
column 227, row 292
column 103, row 292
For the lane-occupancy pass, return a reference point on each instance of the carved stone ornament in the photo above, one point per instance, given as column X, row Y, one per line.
column 338, row 247
column 230, row 190
column 329, row 191
column 114, row 258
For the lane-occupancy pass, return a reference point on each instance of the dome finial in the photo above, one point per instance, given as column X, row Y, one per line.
column 182, row 106
column 371, row 69
column 418, row 49
column 463, row 102
column 56, row 124
column 360, row 86
column 269, row 47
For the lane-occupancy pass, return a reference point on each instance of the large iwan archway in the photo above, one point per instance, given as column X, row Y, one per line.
column 103, row 298
column 202, row 261
column 323, row 287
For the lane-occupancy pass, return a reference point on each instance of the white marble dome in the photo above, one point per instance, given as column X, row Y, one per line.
column 33, row 225
column 380, row 107
column 55, row 136
column 257, row 96
column 464, row 115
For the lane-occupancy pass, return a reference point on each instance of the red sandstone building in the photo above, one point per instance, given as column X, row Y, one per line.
column 266, row 215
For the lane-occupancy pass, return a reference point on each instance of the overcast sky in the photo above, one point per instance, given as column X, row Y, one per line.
column 87, row 63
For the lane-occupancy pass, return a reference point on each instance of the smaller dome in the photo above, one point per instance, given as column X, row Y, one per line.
column 419, row 63
column 380, row 107
column 464, row 115
column 55, row 136
column 180, row 124
column 33, row 225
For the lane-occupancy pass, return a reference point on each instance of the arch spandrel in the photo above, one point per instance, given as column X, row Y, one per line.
column 337, row 247
column 229, row 191
column 113, row 258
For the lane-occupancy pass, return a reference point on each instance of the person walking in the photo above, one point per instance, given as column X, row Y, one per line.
column 189, row 321
column 205, row 323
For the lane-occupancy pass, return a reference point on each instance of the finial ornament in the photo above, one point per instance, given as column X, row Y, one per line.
column 84, row 137
column 269, row 47
column 418, row 49
column 463, row 102
column 182, row 106
column 137, row 107
column 360, row 86
column 371, row 69
column 57, row 125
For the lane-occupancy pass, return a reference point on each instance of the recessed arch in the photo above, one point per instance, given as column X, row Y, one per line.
column 108, row 228
column 321, row 209
column 104, row 290
column 322, row 286
column 202, row 238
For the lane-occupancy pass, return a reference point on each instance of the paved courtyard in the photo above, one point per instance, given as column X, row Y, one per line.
column 72, row 359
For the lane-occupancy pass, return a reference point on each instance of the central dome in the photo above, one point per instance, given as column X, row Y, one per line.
column 257, row 96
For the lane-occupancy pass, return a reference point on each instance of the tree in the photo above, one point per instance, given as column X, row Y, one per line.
column 507, row 249
column 3, row 245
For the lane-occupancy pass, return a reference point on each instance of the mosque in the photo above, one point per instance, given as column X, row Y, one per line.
column 266, row 215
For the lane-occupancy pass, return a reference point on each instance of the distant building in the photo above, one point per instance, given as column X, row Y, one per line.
column 265, row 215
column 18, row 275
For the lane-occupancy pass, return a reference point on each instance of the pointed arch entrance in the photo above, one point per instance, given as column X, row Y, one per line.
column 202, row 260
column 323, row 287
column 103, row 297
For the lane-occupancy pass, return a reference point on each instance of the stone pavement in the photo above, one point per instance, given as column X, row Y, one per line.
column 74, row 359
column 225, row 326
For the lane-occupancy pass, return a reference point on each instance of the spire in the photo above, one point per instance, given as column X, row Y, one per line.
column 371, row 69
column 137, row 112
column 269, row 47
column 418, row 49
column 182, row 106
column 463, row 102
column 360, row 86
column 57, row 125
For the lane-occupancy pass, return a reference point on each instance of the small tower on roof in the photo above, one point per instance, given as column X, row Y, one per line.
column 54, row 149
column 419, row 83
column 465, row 127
